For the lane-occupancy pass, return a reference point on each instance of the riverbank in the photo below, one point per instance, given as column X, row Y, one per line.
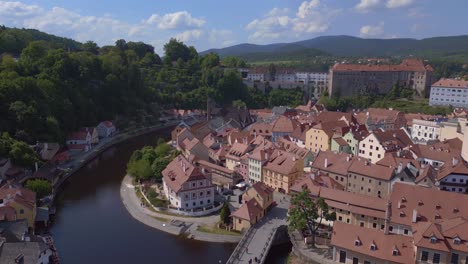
column 188, row 226
column 81, row 160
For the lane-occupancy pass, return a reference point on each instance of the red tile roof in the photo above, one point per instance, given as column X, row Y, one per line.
column 250, row 211
column 345, row 236
column 20, row 195
column 180, row 171
column 284, row 125
column 430, row 204
column 414, row 65
column 452, row 83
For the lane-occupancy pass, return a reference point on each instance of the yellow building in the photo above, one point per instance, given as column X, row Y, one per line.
column 282, row 170
column 18, row 203
column 369, row 179
column 247, row 215
column 260, row 192
column 319, row 137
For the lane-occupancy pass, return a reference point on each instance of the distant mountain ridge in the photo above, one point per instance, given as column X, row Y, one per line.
column 450, row 46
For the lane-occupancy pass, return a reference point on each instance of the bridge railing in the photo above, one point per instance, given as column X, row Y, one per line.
column 268, row 244
column 242, row 244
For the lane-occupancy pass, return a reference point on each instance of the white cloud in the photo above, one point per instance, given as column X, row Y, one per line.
column 399, row 3
column 372, row 31
column 105, row 29
column 189, row 35
column 366, row 5
column 306, row 8
column 177, row 20
column 416, row 13
column 311, row 17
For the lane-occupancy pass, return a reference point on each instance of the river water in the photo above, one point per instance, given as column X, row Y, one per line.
column 93, row 226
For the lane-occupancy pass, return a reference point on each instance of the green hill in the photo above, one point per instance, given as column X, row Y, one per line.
column 14, row 40
column 453, row 47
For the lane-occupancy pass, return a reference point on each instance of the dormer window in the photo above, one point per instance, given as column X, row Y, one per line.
column 373, row 247
column 433, row 239
column 420, row 203
column 403, row 199
column 395, row 252
column 455, row 210
column 357, row 242
column 457, row 241
column 437, row 206
column 402, row 214
column 437, row 216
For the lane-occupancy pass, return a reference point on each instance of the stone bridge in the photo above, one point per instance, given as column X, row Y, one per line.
column 258, row 240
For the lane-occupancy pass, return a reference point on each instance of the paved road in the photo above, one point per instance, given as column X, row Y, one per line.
column 258, row 245
column 144, row 215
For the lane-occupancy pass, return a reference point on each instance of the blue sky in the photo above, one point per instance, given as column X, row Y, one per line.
column 214, row 24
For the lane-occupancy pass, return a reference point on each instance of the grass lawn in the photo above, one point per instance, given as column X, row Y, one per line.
column 215, row 230
column 414, row 106
column 160, row 219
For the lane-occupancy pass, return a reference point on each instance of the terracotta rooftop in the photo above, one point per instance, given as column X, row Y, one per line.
column 359, row 239
column 431, row 205
column 438, row 151
column 78, row 135
column 249, row 211
column 335, row 116
column 363, row 167
column 263, row 190
column 452, row 83
column 413, row 65
column 282, row 162
column 393, row 139
column 329, row 161
column 20, row 195
column 284, row 125
column 332, row 127
column 180, row 171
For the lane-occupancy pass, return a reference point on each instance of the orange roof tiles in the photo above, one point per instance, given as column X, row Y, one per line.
column 406, row 65
column 179, row 171
column 452, row 83
column 345, row 235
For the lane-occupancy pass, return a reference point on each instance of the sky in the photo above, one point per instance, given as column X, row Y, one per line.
column 219, row 23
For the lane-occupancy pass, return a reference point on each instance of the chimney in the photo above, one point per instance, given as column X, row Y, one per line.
column 400, row 167
column 415, row 216
column 388, row 214
column 184, row 167
column 326, row 163
column 347, row 158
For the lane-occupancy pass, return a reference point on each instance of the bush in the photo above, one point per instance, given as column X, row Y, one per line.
column 42, row 188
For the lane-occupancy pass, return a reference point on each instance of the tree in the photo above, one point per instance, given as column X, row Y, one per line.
column 140, row 169
column 22, row 155
column 162, row 150
column 158, row 166
column 307, row 213
column 42, row 188
column 90, row 46
column 225, row 213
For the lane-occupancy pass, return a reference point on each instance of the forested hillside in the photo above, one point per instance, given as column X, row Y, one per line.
column 49, row 91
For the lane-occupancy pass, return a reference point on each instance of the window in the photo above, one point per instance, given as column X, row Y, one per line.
column 347, row 220
column 201, row 202
column 436, row 258
column 406, row 231
column 340, row 218
column 342, row 255
column 361, row 224
column 373, row 247
column 366, row 262
column 390, row 228
column 209, row 201
column 454, row 258
column 355, row 260
column 193, row 184
column 21, row 211
column 456, row 241
column 433, row 240
column 424, row 255
column 374, row 225
column 194, row 204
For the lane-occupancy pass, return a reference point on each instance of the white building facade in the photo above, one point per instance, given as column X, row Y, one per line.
column 449, row 92
column 424, row 131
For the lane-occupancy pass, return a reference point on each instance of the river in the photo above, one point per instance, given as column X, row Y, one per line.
column 93, row 226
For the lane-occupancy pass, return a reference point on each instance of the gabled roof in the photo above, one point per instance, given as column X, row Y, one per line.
column 78, row 135
column 344, row 236
column 284, row 125
column 364, row 167
column 430, row 204
column 451, row 83
column 263, row 190
column 179, row 171
column 282, row 162
column 249, row 211
column 393, row 139
column 20, row 195
column 337, row 163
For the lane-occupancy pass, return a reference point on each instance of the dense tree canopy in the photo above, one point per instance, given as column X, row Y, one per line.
column 49, row 91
